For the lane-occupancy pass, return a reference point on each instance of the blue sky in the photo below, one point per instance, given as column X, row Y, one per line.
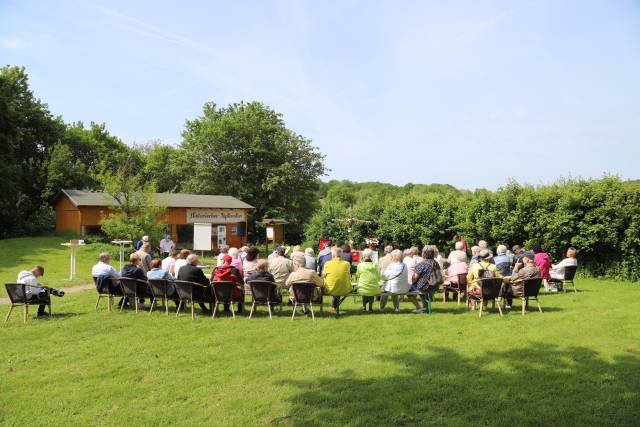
column 469, row 93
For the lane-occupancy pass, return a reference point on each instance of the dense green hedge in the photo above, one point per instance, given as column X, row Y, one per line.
column 601, row 218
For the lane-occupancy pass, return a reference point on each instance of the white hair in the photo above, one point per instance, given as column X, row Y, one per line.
column 192, row 258
column 233, row 252
column 475, row 250
column 104, row 256
column 459, row 246
column 482, row 244
column 396, row 255
column 367, row 253
column 309, row 251
column 299, row 260
column 501, row 250
column 336, row 251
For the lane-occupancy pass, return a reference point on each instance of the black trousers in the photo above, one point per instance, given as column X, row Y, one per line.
column 42, row 298
column 368, row 300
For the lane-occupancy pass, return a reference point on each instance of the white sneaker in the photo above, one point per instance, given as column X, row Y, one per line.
column 396, row 310
column 417, row 310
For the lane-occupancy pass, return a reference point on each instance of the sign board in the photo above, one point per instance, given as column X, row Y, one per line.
column 215, row 215
column 222, row 235
column 202, row 237
column 270, row 233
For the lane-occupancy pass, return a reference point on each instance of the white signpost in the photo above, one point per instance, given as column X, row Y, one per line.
column 121, row 243
column 73, row 245
column 222, row 236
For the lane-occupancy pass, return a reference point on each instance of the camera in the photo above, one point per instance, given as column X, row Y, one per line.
column 56, row 292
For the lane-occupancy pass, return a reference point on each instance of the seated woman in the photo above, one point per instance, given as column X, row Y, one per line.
column 502, row 261
column 557, row 270
column 181, row 261
column 428, row 274
column 396, row 278
column 337, row 277
column 480, row 270
column 249, row 265
column 368, row 278
column 451, row 278
column 157, row 273
column 228, row 273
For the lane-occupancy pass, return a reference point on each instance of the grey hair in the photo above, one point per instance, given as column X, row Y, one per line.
column 482, row 244
column 396, row 255
column 501, row 250
column 299, row 259
column 192, row 258
column 367, row 253
column 475, row 249
column 336, row 251
column 459, row 246
column 309, row 251
column 104, row 256
column 233, row 252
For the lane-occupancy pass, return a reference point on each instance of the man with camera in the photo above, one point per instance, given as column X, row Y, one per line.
column 34, row 292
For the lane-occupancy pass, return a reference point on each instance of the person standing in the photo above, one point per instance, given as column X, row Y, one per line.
column 144, row 253
column 166, row 245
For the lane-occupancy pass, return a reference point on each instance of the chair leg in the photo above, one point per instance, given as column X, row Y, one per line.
column 122, row 305
column 233, row 312
column 269, row 307
column 6, row 319
column 178, row 309
column 109, row 303
column 524, row 305
column 98, row 301
column 313, row 316
column 215, row 310
column 153, row 301
column 481, row 302
column 166, row 304
column 295, row 304
column 499, row 308
column 135, row 299
column 539, row 306
column 459, row 292
column 193, row 310
column 26, row 313
column 253, row 306
column 49, row 308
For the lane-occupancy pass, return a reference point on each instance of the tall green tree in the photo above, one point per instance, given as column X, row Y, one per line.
column 245, row 150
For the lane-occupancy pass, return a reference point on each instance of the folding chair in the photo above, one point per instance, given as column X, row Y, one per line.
column 106, row 287
column 133, row 289
column 457, row 288
column 18, row 296
column 223, row 294
column 303, row 293
column 263, row 293
column 530, row 289
column 194, row 293
column 159, row 289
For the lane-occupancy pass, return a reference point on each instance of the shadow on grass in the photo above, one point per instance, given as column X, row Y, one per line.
column 535, row 385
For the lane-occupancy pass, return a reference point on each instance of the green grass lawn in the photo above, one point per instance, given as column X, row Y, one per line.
column 26, row 252
column 578, row 363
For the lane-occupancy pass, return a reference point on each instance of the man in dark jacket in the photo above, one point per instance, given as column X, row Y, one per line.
column 528, row 271
column 191, row 273
column 133, row 271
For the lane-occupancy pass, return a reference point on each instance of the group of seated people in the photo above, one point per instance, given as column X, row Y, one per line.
column 394, row 274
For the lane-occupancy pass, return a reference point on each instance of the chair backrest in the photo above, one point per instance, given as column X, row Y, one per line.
column 570, row 272
column 16, row 292
column 158, row 287
column 531, row 287
column 462, row 280
column 129, row 286
column 184, row 289
column 504, row 268
column 490, row 288
column 262, row 290
column 303, row 292
column 223, row 291
column 105, row 286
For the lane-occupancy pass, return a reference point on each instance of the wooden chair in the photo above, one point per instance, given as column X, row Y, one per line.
column 530, row 289
column 569, row 275
column 194, row 293
column 303, row 293
column 223, row 294
column 457, row 288
column 132, row 289
column 106, row 287
column 159, row 289
column 18, row 296
column 263, row 293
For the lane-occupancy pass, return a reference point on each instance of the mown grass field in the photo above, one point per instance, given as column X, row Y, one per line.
column 578, row 363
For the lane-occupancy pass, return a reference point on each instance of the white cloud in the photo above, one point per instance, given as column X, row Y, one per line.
column 12, row 43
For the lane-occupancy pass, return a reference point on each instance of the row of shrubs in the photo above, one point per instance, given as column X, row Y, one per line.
column 599, row 217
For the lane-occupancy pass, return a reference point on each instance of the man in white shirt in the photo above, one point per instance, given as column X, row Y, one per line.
column 167, row 245
column 102, row 268
column 34, row 292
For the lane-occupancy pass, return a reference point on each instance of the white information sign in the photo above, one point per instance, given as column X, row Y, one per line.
column 202, row 237
column 270, row 233
column 214, row 215
column 222, row 235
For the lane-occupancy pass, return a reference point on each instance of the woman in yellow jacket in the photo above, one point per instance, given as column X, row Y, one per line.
column 337, row 277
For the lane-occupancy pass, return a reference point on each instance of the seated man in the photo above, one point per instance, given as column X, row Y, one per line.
column 528, row 271
column 35, row 293
column 280, row 267
column 302, row 274
column 102, row 270
column 458, row 255
column 133, row 270
column 191, row 273
column 337, row 277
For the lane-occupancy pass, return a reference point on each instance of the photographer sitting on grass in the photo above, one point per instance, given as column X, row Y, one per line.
column 34, row 291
